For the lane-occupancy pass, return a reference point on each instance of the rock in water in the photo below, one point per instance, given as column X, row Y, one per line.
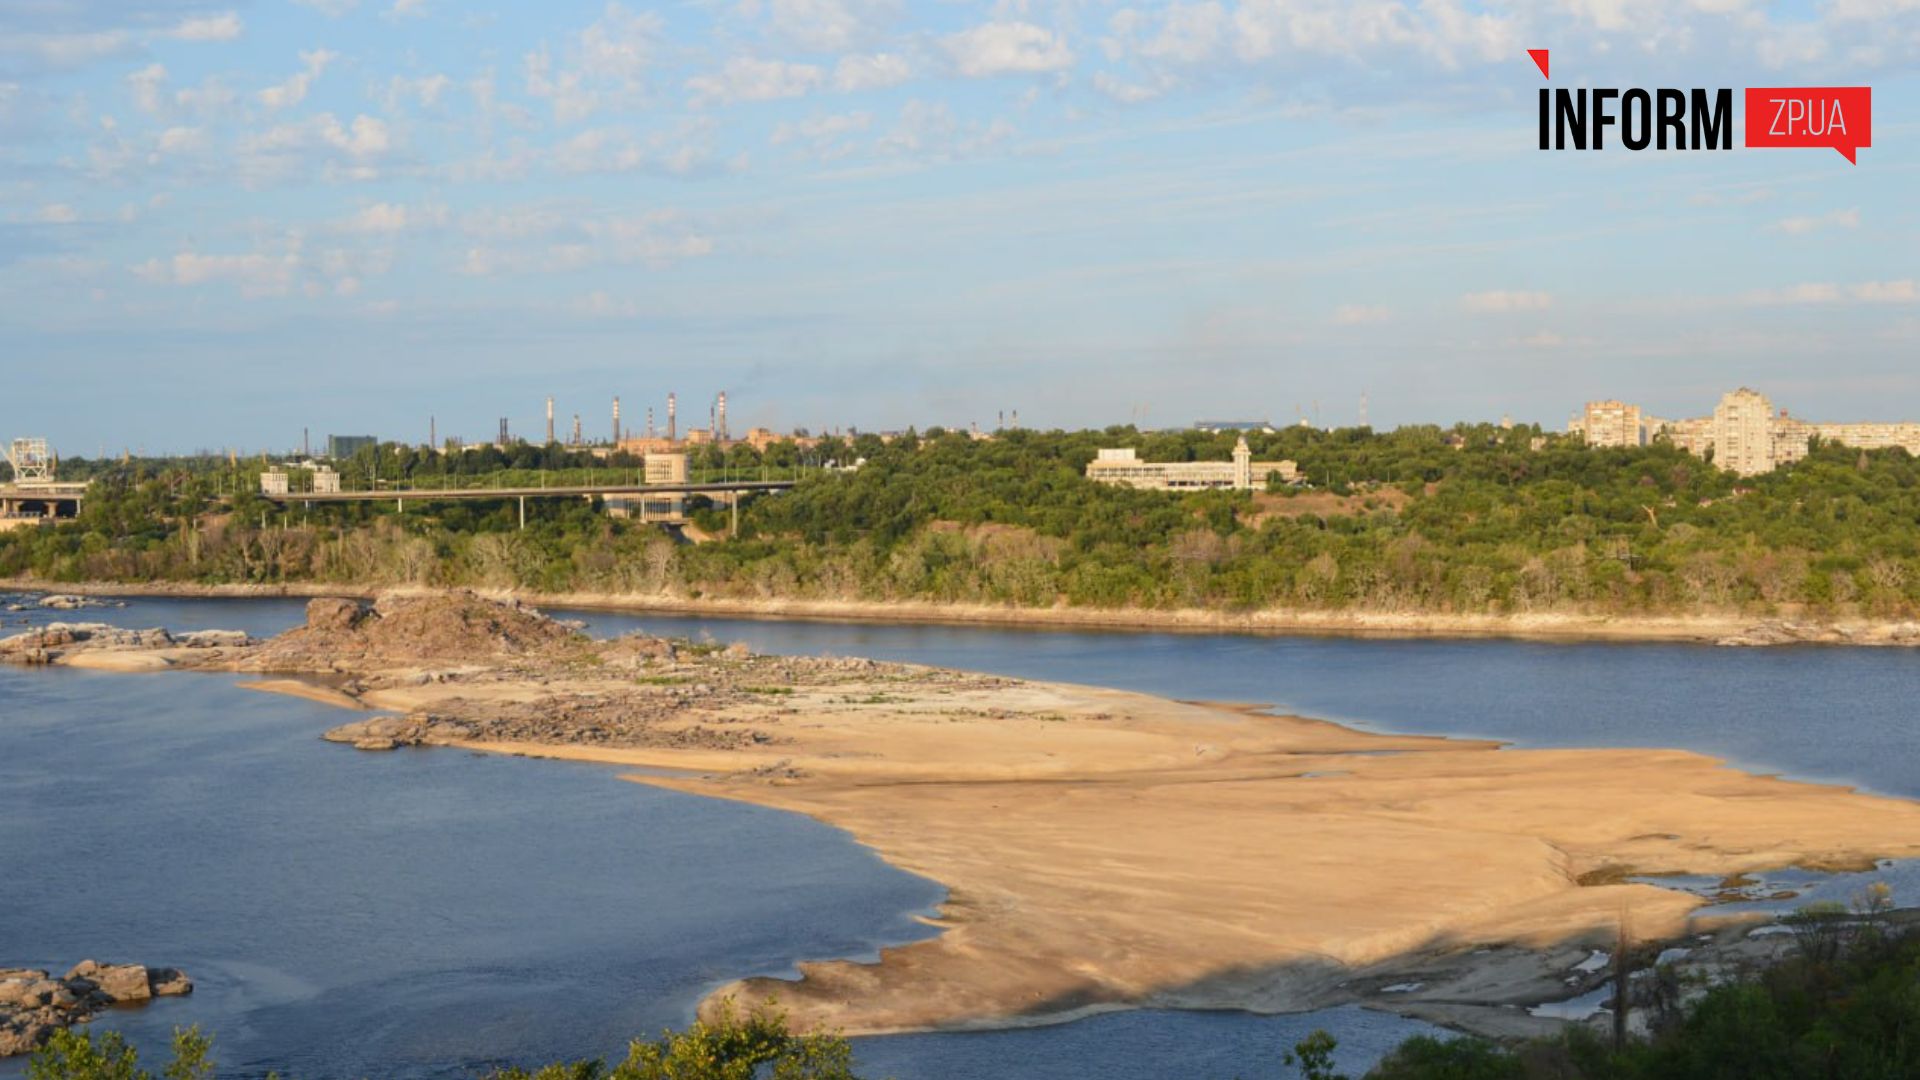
column 118, row 983
column 33, row 1005
column 168, row 982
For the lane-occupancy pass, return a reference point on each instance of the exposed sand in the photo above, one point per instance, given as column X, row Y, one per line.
column 1106, row 849
column 300, row 688
column 118, row 661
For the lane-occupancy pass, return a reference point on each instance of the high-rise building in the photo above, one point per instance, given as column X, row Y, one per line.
column 1612, row 423
column 1743, row 433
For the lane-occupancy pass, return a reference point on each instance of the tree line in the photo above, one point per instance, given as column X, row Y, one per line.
column 1469, row 519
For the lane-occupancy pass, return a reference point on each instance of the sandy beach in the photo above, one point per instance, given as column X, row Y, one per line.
column 1106, row 849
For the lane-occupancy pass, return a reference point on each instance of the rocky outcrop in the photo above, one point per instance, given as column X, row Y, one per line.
column 400, row 629
column 68, row 602
column 55, row 641
column 34, row 1004
column 1781, row 632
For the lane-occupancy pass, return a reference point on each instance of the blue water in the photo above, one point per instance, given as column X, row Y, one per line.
column 427, row 913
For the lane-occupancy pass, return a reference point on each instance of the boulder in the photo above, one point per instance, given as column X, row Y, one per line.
column 30, row 993
column 168, row 982
column 120, row 983
column 24, row 1033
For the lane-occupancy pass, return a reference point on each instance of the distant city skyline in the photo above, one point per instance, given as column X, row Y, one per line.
column 223, row 222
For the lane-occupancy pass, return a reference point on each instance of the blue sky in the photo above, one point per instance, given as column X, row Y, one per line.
column 221, row 223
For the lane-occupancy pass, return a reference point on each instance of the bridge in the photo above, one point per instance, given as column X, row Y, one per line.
column 730, row 490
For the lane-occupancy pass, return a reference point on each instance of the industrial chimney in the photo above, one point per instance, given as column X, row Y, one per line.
column 720, row 419
column 670, row 418
column 616, row 419
column 549, row 421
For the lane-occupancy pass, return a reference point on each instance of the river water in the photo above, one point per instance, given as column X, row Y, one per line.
column 432, row 913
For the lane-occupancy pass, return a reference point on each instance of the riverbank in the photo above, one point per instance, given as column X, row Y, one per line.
column 1104, row 849
column 1725, row 628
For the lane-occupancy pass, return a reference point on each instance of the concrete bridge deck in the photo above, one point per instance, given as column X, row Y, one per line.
column 575, row 491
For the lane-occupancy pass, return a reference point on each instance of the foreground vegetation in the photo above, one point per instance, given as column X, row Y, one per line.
column 1421, row 520
column 1846, row 1007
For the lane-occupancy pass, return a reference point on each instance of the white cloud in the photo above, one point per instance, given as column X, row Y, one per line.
column 600, row 305
column 332, row 9
column 1903, row 291
column 225, row 26
column 294, row 90
column 824, row 136
column 1900, row 291
column 1361, row 314
column 610, row 59
column 1003, row 48
column 871, row 72
column 745, row 78
column 181, row 140
column 56, row 214
column 1133, row 93
column 146, row 85
column 825, row 25
column 1800, row 226
column 1440, row 31
column 681, row 152
column 548, row 240
column 60, row 52
column 1544, row 339
column 1500, row 301
column 425, row 89
column 929, row 130
column 255, row 274
column 380, row 217
column 407, row 9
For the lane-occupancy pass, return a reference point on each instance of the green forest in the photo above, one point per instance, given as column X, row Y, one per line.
column 1469, row 519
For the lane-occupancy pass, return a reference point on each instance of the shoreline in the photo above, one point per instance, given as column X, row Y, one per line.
column 1105, row 849
column 1701, row 629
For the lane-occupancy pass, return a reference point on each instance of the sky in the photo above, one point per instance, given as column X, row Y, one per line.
column 223, row 224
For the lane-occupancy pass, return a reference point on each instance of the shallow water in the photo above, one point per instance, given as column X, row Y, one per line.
column 425, row 913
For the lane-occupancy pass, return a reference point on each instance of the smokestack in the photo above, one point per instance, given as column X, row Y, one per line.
column 616, row 419
column 720, row 419
column 549, row 421
column 576, row 429
column 305, row 452
column 649, row 421
column 670, row 418
column 503, row 432
column 433, row 433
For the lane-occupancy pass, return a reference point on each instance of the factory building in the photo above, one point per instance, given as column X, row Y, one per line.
column 1123, row 467
column 345, row 446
